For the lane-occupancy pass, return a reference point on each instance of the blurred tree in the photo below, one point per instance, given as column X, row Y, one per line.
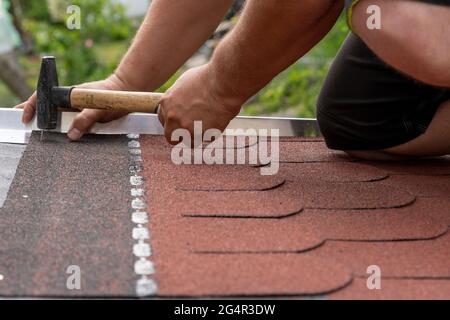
column 101, row 21
column 16, row 12
column 10, row 72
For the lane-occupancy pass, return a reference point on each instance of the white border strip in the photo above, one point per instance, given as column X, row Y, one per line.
column 10, row 156
column 143, row 266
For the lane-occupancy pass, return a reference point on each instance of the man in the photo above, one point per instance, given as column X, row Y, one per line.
column 367, row 108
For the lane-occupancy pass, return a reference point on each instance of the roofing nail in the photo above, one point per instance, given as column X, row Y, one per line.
column 135, row 168
column 140, row 233
column 134, row 144
column 137, row 192
column 138, row 204
column 144, row 267
column 139, row 217
column 146, row 287
column 136, row 180
column 142, row 250
column 135, row 152
column 132, row 136
column 136, row 158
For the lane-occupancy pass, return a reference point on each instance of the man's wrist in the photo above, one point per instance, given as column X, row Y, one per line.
column 224, row 87
column 119, row 80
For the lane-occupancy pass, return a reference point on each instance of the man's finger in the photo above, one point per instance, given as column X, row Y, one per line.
column 29, row 109
column 160, row 113
column 83, row 123
column 169, row 128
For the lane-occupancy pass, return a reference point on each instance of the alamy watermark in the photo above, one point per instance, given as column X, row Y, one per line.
column 374, row 279
column 73, row 21
column 73, row 281
column 249, row 146
column 374, row 19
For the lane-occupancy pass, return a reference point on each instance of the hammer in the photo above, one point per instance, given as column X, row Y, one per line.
column 51, row 97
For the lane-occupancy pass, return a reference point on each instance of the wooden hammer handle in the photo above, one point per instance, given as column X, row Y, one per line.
column 115, row 100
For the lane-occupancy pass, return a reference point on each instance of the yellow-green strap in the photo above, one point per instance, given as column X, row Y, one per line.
column 350, row 7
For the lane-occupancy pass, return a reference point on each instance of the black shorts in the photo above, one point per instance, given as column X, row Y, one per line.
column 367, row 105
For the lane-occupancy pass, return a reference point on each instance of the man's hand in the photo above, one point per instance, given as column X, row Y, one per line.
column 196, row 97
column 88, row 117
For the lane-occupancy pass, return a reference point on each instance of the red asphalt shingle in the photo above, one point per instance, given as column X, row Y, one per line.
column 309, row 151
column 273, row 204
column 223, row 178
column 332, row 172
column 314, row 234
column 203, row 275
column 311, row 228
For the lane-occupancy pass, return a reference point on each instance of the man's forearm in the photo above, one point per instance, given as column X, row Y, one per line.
column 171, row 32
column 270, row 36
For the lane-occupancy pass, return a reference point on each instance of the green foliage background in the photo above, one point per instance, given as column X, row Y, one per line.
column 76, row 51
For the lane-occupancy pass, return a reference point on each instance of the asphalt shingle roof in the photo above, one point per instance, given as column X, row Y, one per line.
column 316, row 233
column 137, row 224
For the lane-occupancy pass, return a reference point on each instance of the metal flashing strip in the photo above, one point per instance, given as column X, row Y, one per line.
column 10, row 155
column 288, row 127
column 14, row 136
column 12, row 130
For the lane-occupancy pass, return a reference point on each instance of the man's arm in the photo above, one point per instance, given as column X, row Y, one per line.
column 270, row 36
column 170, row 34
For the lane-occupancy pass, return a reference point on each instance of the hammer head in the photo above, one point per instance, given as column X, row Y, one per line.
column 46, row 108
